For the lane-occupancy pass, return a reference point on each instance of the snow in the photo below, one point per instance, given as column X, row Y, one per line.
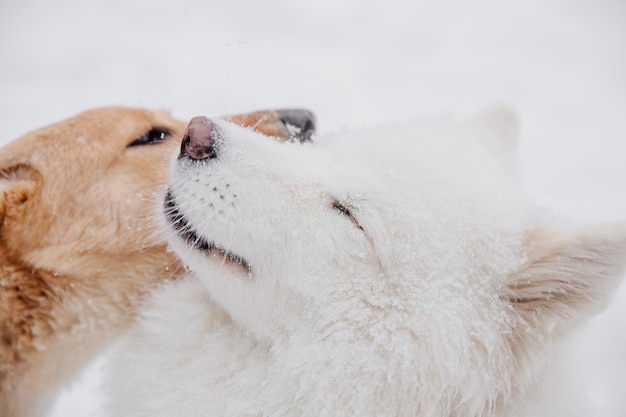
column 562, row 64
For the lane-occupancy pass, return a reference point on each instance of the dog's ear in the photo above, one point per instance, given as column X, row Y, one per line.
column 569, row 276
column 17, row 184
column 499, row 133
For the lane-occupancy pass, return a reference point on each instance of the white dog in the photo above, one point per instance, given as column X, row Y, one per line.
column 397, row 271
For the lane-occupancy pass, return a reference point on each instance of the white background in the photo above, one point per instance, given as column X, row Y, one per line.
column 561, row 63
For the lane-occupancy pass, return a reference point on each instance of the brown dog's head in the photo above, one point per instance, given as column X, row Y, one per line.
column 76, row 195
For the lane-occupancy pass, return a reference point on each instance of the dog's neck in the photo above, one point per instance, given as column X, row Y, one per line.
column 25, row 311
column 51, row 325
column 26, row 324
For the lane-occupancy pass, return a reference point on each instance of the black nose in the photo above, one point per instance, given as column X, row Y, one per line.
column 299, row 122
column 199, row 139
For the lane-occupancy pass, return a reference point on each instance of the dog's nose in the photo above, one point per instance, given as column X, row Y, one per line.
column 199, row 139
column 299, row 122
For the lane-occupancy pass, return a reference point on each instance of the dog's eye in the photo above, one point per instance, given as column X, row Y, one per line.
column 343, row 209
column 155, row 135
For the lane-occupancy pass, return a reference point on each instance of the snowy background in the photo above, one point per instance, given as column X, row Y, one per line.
column 561, row 63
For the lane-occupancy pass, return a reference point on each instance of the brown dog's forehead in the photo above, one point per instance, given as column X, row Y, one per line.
column 93, row 124
column 92, row 135
column 114, row 126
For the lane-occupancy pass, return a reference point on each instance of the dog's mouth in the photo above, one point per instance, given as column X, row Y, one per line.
column 183, row 229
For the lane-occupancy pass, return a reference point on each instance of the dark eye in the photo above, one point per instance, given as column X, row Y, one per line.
column 155, row 135
column 343, row 209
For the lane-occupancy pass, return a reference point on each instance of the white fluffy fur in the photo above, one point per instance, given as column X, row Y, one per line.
column 440, row 297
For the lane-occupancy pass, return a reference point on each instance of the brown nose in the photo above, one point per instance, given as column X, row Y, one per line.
column 199, row 139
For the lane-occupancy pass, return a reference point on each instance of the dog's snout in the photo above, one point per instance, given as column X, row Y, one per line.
column 300, row 122
column 199, row 139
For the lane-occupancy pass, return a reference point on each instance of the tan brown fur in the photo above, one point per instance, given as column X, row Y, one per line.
column 570, row 274
column 263, row 121
column 79, row 246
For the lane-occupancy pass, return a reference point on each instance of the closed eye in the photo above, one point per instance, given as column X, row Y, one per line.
column 343, row 209
column 153, row 136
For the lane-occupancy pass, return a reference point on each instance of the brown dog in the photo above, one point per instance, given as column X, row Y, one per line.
column 78, row 242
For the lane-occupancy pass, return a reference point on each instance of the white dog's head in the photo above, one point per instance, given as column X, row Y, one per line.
column 410, row 245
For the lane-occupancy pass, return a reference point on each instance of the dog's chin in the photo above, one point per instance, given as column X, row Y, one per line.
column 192, row 240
